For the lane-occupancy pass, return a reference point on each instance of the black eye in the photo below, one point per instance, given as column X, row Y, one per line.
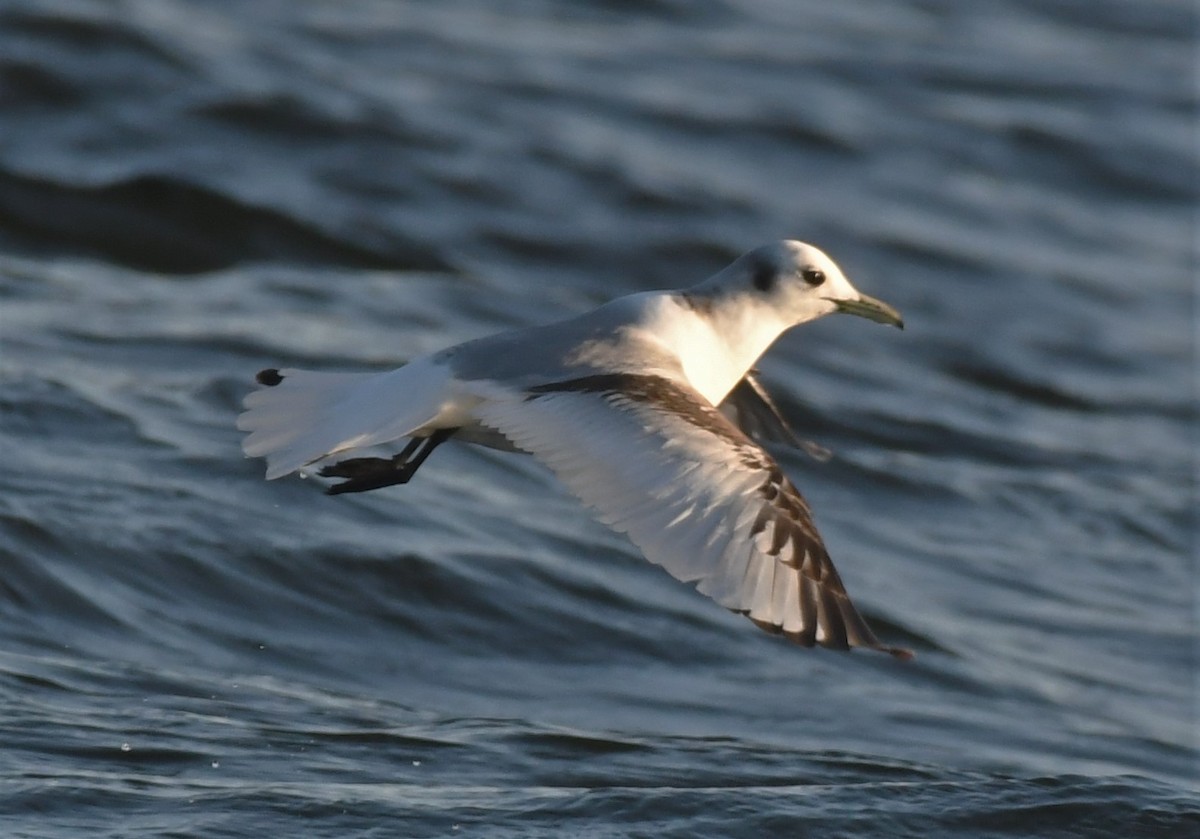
column 813, row 276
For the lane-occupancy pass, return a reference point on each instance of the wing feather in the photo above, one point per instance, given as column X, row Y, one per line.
column 693, row 492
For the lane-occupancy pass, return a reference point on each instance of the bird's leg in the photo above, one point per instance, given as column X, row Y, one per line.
column 367, row 473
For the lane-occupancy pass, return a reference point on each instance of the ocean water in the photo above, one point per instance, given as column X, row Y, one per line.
column 192, row 190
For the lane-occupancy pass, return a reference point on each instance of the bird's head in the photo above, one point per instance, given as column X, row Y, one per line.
column 800, row 283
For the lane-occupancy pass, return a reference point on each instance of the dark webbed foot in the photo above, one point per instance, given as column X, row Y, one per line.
column 378, row 479
column 359, row 467
column 367, row 473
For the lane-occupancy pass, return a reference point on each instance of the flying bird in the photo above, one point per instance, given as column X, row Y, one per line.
column 647, row 408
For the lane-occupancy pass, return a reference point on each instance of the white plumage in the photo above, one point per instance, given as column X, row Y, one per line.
column 621, row 404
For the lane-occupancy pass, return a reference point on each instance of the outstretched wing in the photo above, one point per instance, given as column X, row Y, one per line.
column 693, row 492
column 750, row 407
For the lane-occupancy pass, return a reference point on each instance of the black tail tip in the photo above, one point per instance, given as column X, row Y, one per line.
column 269, row 377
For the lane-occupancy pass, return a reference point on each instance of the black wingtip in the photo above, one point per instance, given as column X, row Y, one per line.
column 269, row 377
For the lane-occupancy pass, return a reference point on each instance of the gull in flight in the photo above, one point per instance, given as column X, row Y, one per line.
column 647, row 408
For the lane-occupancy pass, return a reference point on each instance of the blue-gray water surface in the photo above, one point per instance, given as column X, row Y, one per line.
column 192, row 190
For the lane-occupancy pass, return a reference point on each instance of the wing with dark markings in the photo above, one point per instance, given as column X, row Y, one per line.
column 694, row 493
column 750, row 407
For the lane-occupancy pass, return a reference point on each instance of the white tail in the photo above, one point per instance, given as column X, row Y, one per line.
column 306, row 416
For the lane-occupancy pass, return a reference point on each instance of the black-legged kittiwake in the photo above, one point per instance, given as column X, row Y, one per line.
column 636, row 407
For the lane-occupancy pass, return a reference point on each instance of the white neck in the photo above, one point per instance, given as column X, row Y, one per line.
column 718, row 338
